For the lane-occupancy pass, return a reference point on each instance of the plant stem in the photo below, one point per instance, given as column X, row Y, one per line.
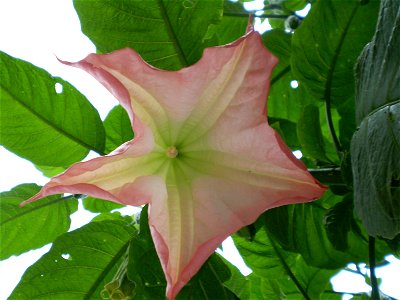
column 246, row 15
column 372, row 264
column 328, row 175
column 331, row 127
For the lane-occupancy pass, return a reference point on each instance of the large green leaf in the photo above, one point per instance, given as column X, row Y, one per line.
column 262, row 257
column 118, row 128
column 166, row 33
column 300, row 228
column 327, row 44
column 34, row 225
column 289, row 276
column 375, row 153
column 78, row 264
column 375, row 147
column 47, row 127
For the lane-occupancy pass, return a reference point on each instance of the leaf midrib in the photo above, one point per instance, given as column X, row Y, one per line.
column 50, row 124
column 172, row 35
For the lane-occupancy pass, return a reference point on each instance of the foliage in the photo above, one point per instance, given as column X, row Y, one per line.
column 346, row 123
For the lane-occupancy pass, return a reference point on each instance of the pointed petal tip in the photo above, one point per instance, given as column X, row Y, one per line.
column 31, row 199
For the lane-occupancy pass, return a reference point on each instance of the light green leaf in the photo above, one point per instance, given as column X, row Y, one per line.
column 99, row 205
column 39, row 124
column 78, row 264
column 118, row 128
column 34, row 225
column 166, row 33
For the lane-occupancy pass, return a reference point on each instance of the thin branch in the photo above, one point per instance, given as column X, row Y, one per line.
column 246, row 15
column 331, row 127
column 328, row 175
column 372, row 264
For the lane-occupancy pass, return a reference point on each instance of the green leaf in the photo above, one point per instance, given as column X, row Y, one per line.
column 167, row 34
column 78, row 264
column 287, row 130
column 261, row 256
column 378, row 71
column 299, row 228
column 284, row 101
column 326, row 46
column 276, row 273
column 34, row 225
column 39, row 124
column 375, row 155
column 338, row 222
column 99, row 205
column 50, row 171
column 118, row 128
column 310, row 134
column 208, row 283
column 232, row 26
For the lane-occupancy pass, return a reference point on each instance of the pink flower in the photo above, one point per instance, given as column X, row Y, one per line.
column 204, row 157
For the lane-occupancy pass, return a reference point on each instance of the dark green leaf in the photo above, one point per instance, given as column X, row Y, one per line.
column 99, row 205
column 326, row 46
column 375, row 154
column 375, row 147
column 167, row 34
column 39, row 124
column 78, row 264
column 118, row 128
column 34, row 225
column 378, row 67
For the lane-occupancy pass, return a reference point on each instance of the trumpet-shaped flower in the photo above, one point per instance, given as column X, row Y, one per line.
column 204, row 157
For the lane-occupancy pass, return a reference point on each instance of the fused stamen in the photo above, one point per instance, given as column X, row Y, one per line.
column 172, row 152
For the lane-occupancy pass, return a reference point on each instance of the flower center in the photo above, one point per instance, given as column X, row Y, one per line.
column 171, row 152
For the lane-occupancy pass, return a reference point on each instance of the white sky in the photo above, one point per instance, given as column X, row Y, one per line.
column 38, row 31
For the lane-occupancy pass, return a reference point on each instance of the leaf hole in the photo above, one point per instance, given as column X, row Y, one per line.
column 66, row 256
column 59, row 88
column 298, row 154
column 294, row 84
